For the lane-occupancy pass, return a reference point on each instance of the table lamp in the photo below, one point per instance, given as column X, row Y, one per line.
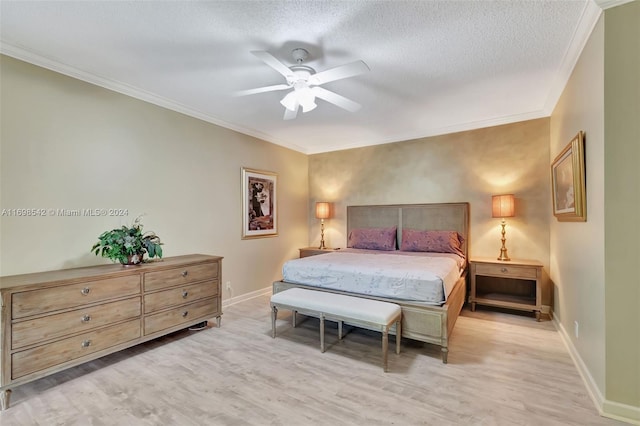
column 323, row 211
column 503, row 206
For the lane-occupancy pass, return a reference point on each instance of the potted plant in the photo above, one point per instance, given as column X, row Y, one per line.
column 128, row 245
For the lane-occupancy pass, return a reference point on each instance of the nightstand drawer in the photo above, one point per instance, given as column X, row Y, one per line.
column 314, row 251
column 510, row 271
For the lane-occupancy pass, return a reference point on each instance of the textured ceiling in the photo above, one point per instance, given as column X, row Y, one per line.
column 436, row 66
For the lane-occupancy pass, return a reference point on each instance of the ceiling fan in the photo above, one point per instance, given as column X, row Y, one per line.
column 305, row 83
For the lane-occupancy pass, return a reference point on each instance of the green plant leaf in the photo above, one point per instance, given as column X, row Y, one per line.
column 119, row 243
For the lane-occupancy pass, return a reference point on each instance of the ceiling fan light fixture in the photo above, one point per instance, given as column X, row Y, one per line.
column 306, row 107
column 290, row 101
column 299, row 97
column 306, row 99
column 305, row 83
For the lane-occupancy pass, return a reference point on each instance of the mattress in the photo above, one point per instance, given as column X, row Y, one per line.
column 413, row 276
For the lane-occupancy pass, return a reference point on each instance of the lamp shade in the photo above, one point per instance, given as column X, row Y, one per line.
column 323, row 210
column 503, row 205
column 290, row 101
column 300, row 97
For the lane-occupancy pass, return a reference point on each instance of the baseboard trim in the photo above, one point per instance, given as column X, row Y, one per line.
column 246, row 296
column 587, row 378
column 606, row 408
column 623, row 412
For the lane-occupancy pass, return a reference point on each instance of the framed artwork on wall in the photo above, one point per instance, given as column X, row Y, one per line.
column 568, row 183
column 259, row 204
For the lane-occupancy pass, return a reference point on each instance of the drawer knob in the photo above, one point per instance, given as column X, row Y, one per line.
column 86, row 343
column 504, row 270
column 185, row 293
column 185, row 273
column 86, row 318
column 185, row 313
column 85, row 291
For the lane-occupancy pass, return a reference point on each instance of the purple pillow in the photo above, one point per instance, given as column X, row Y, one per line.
column 432, row 241
column 373, row 238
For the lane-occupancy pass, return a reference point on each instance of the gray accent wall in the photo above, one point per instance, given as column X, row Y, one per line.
column 460, row 167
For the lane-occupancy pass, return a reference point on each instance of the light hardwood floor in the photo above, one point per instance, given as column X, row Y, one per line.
column 503, row 370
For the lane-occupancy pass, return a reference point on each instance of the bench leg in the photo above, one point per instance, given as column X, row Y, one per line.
column 274, row 315
column 398, row 334
column 339, row 330
column 5, row 396
column 385, row 347
column 321, row 332
column 293, row 318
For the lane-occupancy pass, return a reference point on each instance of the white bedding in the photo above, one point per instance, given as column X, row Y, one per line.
column 415, row 276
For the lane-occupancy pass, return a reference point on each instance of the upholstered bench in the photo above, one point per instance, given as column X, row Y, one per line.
column 337, row 307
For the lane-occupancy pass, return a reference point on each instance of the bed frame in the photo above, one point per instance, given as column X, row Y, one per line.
column 422, row 322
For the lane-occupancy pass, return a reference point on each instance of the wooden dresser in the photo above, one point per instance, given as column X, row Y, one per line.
column 54, row 320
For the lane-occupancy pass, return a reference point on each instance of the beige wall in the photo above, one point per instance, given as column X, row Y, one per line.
column 68, row 144
column 468, row 166
column 577, row 248
column 622, row 201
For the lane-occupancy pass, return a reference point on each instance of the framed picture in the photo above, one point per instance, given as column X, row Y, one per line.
column 568, row 182
column 259, row 204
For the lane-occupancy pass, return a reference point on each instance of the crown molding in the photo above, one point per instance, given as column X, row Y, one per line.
column 588, row 20
column 125, row 89
column 119, row 87
column 607, row 4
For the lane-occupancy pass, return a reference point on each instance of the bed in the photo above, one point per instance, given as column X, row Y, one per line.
column 425, row 321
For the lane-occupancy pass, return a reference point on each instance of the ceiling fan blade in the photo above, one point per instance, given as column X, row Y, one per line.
column 336, row 99
column 337, row 73
column 262, row 90
column 270, row 60
column 290, row 115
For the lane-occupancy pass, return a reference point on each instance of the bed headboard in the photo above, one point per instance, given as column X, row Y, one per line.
column 434, row 217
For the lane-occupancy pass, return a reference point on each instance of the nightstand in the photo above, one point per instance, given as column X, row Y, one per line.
column 515, row 284
column 312, row 251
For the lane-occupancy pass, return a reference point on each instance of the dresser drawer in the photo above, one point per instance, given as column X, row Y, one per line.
column 180, row 276
column 52, row 354
column 179, row 296
column 70, row 296
column 506, row 271
column 28, row 332
column 183, row 314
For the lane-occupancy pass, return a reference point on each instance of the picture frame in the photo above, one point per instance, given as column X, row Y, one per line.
column 568, row 182
column 259, row 203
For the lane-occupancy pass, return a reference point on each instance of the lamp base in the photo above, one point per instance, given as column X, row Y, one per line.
column 322, row 235
column 503, row 255
column 503, row 250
